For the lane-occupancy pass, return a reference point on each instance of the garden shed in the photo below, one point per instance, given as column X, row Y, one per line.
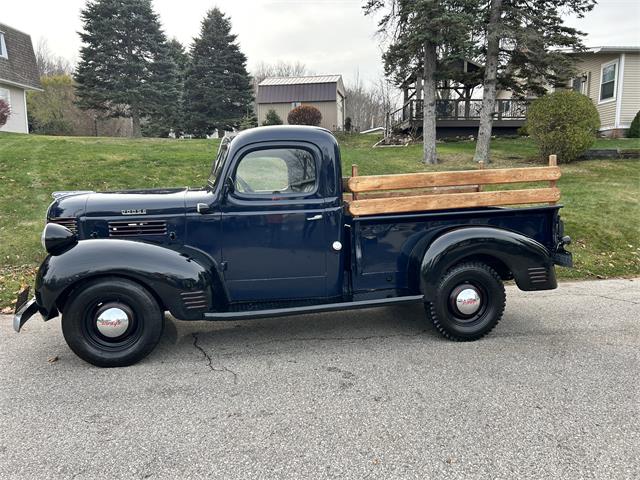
column 283, row 94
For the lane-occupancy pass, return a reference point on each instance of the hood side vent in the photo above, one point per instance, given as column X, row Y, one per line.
column 140, row 228
column 70, row 223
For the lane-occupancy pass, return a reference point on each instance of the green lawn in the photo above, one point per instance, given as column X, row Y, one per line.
column 601, row 198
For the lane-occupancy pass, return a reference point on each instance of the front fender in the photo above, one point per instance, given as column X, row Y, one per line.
column 184, row 282
column 528, row 260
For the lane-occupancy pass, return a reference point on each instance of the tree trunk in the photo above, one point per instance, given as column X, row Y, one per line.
column 135, row 122
column 429, row 104
column 490, row 80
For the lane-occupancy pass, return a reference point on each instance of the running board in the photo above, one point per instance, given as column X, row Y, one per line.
column 327, row 307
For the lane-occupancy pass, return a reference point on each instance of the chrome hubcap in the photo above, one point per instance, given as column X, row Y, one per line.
column 113, row 322
column 467, row 301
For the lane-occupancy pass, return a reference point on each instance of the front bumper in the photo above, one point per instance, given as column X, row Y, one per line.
column 24, row 313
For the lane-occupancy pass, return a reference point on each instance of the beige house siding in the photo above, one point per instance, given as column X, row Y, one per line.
column 18, row 119
column 630, row 89
column 591, row 66
column 328, row 110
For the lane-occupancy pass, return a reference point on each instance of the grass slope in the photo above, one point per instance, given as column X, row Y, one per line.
column 601, row 198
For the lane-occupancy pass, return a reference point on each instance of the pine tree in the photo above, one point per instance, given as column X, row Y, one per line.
column 524, row 43
column 123, row 66
column 169, row 116
column 218, row 93
column 426, row 37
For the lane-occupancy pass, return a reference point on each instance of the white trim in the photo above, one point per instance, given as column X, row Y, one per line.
column 615, row 62
column 613, row 127
column 26, row 117
column 8, row 94
column 620, row 90
column 3, row 46
column 21, row 85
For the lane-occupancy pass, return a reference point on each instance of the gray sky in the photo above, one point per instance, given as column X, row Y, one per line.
column 329, row 36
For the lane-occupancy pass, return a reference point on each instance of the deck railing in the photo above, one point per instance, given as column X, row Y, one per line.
column 510, row 109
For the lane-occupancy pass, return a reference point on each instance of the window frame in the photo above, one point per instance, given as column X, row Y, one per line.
column 3, row 46
column 272, row 196
column 616, row 64
column 8, row 97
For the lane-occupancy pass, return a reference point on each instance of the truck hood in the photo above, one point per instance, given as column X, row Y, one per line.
column 166, row 201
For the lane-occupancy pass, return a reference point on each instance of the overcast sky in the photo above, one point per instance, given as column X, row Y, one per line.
column 329, row 36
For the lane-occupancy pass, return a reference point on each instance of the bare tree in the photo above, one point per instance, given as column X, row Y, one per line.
column 279, row 69
column 50, row 64
column 368, row 106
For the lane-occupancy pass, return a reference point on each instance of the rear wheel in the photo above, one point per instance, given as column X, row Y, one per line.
column 469, row 302
column 112, row 322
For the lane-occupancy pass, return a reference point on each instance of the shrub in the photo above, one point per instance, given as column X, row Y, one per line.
column 523, row 131
column 563, row 123
column 634, row 129
column 248, row 121
column 5, row 112
column 347, row 124
column 305, row 115
column 272, row 118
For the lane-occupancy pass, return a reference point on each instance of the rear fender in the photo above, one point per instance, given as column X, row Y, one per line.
column 187, row 283
column 526, row 259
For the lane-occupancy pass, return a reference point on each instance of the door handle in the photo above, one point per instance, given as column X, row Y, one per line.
column 315, row 217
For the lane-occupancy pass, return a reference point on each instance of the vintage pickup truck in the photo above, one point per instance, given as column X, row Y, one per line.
column 277, row 231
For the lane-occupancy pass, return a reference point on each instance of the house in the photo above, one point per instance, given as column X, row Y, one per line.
column 18, row 73
column 610, row 76
column 283, row 94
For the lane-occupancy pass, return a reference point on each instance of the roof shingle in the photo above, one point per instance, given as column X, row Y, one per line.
column 20, row 68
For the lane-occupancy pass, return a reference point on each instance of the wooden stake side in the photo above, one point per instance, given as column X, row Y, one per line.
column 453, row 178
column 455, row 200
column 354, row 173
column 553, row 162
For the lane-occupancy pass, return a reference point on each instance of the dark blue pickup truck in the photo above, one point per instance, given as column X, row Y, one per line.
column 267, row 236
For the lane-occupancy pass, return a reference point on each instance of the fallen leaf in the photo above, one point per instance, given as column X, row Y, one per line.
column 52, row 359
column 6, row 310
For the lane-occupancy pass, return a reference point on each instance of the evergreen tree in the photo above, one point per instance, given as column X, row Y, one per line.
column 272, row 118
column 523, row 53
column 169, row 116
column 218, row 93
column 427, row 36
column 123, row 68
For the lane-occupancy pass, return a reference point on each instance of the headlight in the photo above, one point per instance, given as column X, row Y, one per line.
column 57, row 239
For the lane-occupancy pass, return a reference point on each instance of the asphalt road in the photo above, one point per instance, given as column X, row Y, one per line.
column 553, row 392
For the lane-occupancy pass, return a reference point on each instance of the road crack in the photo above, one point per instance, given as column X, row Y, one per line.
column 338, row 339
column 209, row 360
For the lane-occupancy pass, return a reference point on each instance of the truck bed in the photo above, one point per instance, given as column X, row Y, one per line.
column 385, row 248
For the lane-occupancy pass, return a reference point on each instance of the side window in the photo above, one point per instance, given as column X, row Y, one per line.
column 287, row 171
column 608, row 81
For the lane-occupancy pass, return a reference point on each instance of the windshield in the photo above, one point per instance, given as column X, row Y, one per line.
column 219, row 162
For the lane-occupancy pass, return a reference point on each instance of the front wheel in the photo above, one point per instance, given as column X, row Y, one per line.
column 112, row 322
column 469, row 302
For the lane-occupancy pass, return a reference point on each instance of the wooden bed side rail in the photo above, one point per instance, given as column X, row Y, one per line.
column 419, row 203
column 444, row 190
column 452, row 179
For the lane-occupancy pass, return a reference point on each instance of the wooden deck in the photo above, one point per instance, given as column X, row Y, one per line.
column 458, row 115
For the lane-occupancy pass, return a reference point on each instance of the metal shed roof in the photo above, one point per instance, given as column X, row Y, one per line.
column 320, row 88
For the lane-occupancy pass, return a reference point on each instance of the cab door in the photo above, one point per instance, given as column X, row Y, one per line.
column 274, row 241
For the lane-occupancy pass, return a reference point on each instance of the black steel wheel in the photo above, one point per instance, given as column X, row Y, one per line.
column 469, row 302
column 112, row 322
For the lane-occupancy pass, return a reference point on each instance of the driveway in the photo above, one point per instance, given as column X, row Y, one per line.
column 551, row 393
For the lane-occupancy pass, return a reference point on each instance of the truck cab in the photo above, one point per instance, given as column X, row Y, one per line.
column 270, row 234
